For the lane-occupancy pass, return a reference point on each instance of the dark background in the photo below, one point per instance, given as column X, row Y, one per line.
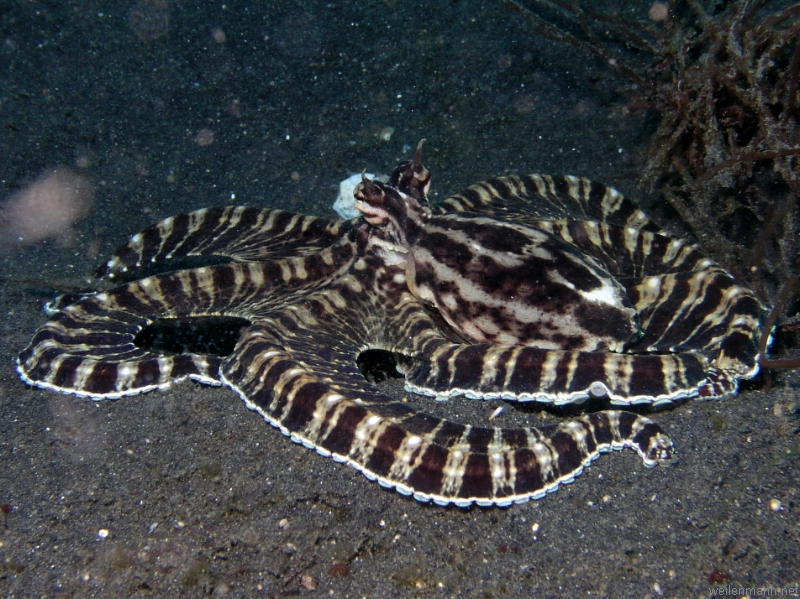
column 199, row 495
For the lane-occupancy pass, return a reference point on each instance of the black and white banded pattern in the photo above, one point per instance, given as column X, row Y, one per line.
column 314, row 294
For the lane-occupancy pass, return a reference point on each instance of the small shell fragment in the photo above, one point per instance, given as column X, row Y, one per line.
column 386, row 133
column 497, row 411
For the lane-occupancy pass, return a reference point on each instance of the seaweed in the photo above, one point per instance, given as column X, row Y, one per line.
column 723, row 77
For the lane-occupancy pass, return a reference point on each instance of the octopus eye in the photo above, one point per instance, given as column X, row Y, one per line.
column 372, row 201
column 368, row 191
column 412, row 178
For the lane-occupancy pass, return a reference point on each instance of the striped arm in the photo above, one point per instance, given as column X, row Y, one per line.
column 558, row 377
column 533, row 198
column 686, row 350
column 237, row 232
column 627, row 251
column 702, row 311
column 89, row 347
column 316, row 399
